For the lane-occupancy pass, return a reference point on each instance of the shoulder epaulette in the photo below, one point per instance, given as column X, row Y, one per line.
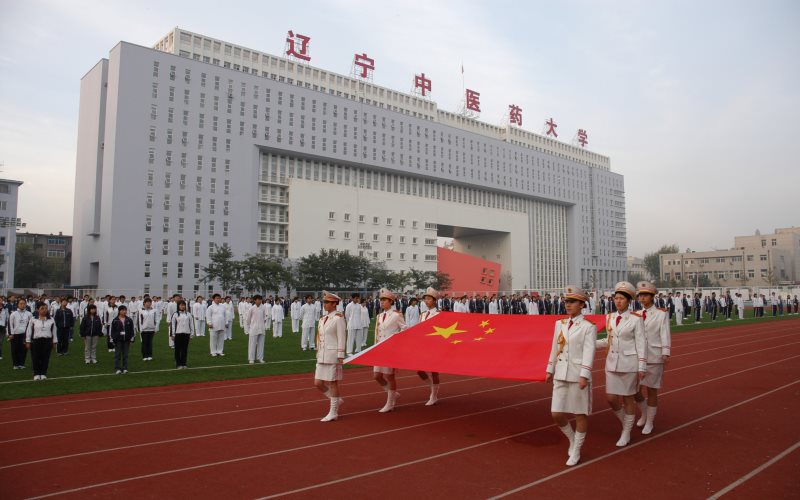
column 340, row 315
column 662, row 309
column 564, row 321
column 634, row 313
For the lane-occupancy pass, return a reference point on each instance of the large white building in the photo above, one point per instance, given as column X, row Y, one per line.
column 198, row 142
column 9, row 222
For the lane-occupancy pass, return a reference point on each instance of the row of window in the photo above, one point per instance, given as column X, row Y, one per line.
column 718, row 260
column 376, row 238
column 376, row 221
column 148, row 226
column 167, row 204
column 165, row 247
column 165, row 270
column 723, row 275
column 168, row 160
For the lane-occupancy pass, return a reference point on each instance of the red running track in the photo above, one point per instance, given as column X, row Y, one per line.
column 725, row 426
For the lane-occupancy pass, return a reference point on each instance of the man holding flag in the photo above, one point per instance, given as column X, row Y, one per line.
column 389, row 322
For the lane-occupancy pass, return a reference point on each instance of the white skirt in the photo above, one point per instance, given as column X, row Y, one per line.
column 383, row 369
column 622, row 384
column 652, row 379
column 568, row 397
column 328, row 372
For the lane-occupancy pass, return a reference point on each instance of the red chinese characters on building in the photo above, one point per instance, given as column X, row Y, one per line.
column 515, row 114
column 551, row 128
column 297, row 46
column 583, row 138
column 473, row 101
column 365, row 63
column 422, row 83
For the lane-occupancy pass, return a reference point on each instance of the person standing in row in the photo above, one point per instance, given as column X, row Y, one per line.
column 148, row 323
column 658, row 340
column 365, row 321
column 389, row 322
column 3, row 323
column 111, row 312
column 199, row 314
column 182, row 330
column 64, row 321
column 18, row 326
column 255, row 326
column 412, row 313
column 678, row 309
column 352, row 315
column 331, row 342
column 430, row 297
column 276, row 314
column 40, row 338
column 123, row 335
column 626, row 363
column 217, row 319
column 570, row 371
column 91, row 330
column 294, row 313
column 229, row 318
column 309, row 320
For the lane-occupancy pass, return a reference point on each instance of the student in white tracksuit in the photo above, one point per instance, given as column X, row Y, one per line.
column 255, row 326
column 217, row 319
column 309, row 317
column 352, row 315
column 199, row 315
column 362, row 334
column 294, row 312
column 229, row 318
column 678, row 308
column 277, row 318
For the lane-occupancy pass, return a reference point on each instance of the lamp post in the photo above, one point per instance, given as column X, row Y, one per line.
column 8, row 223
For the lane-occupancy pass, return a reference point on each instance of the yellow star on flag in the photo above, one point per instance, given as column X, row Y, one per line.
column 446, row 332
column 484, row 324
column 490, row 330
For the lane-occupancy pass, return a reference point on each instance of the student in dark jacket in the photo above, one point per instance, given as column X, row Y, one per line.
column 123, row 335
column 65, row 320
column 91, row 330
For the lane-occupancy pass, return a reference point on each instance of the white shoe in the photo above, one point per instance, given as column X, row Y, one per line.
column 391, row 400
column 36, row 377
column 575, row 454
column 651, row 416
column 213, row 355
column 42, row 377
column 94, row 361
column 124, row 371
column 250, row 362
column 627, row 425
column 261, row 361
column 221, row 354
column 434, row 395
column 643, row 409
column 119, row 372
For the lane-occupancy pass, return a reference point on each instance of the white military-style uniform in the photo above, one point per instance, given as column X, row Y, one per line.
column 330, row 341
column 294, row 312
column 255, row 326
column 277, row 320
column 571, row 357
column 309, row 316
column 388, row 323
column 626, row 352
column 658, row 340
column 352, row 313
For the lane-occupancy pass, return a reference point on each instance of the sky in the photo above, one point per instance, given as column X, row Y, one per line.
column 695, row 102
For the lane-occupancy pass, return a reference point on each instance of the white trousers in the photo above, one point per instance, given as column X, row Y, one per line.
column 679, row 317
column 229, row 331
column 353, row 340
column 295, row 326
column 308, row 338
column 255, row 349
column 741, row 313
column 277, row 329
column 362, row 337
column 217, row 341
column 200, row 327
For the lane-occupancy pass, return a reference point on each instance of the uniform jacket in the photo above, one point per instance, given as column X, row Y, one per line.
column 91, row 326
column 572, row 353
column 217, row 316
column 657, row 335
column 331, row 338
column 309, row 315
column 388, row 323
column 625, row 343
column 352, row 314
column 122, row 332
column 257, row 318
column 64, row 318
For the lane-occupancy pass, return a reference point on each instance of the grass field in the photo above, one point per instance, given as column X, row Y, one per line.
column 69, row 374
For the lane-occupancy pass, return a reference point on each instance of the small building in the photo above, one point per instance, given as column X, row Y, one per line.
column 8, row 223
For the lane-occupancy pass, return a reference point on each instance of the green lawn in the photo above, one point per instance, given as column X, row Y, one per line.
column 69, row 374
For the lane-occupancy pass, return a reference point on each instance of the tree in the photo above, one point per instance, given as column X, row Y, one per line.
column 440, row 281
column 635, row 277
column 32, row 268
column 223, row 269
column 331, row 268
column 652, row 262
column 260, row 273
column 420, row 280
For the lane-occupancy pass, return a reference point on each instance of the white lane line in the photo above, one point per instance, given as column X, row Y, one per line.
column 754, row 472
column 353, row 438
column 634, row 445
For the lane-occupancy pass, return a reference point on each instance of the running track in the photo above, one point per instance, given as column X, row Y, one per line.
column 726, row 427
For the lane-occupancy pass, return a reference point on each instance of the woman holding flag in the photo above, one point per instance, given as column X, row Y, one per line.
column 626, row 362
column 570, row 371
column 430, row 298
column 389, row 322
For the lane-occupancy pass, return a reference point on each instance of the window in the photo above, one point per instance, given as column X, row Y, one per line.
column 763, row 258
column 331, row 233
column 197, row 249
column 148, row 223
column 147, row 246
column 374, row 220
column 180, row 271
column 388, row 255
column 165, row 247
column 347, row 235
column 774, row 241
column 375, row 237
column 402, row 223
column 147, row 269
column 361, row 219
column 388, row 238
column 196, row 270
column 164, row 269
column 331, row 215
column 388, row 221
column 211, row 228
column 347, row 217
column 360, row 236
column 180, row 248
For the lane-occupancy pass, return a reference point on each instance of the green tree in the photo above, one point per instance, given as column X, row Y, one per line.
column 635, row 277
column 223, row 269
column 440, row 281
column 260, row 273
column 652, row 262
column 332, row 269
column 420, row 280
column 30, row 267
column 381, row 277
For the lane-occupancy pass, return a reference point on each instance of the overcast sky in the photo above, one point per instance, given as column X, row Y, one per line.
column 695, row 102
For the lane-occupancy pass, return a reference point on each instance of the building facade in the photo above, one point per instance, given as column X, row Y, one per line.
column 199, row 142
column 755, row 261
column 9, row 222
column 636, row 265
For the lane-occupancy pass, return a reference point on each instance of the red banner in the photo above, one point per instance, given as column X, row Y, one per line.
column 509, row 346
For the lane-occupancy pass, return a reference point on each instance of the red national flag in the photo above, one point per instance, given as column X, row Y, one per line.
column 510, row 346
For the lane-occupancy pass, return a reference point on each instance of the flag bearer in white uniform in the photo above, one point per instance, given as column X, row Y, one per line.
column 277, row 319
column 389, row 322
column 309, row 317
column 431, row 298
column 216, row 319
column 658, row 340
column 330, row 342
column 352, row 313
column 199, row 315
column 255, row 326
column 570, row 371
column 626, row 361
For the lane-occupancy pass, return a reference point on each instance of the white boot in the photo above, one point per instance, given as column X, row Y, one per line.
column 434, row 395
column 651, row 416
column 333, row 413
column 567, row 430
column 620, row 414
column 391, row 399
column 642, row 408
column 575, row 455
column 627, row 425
